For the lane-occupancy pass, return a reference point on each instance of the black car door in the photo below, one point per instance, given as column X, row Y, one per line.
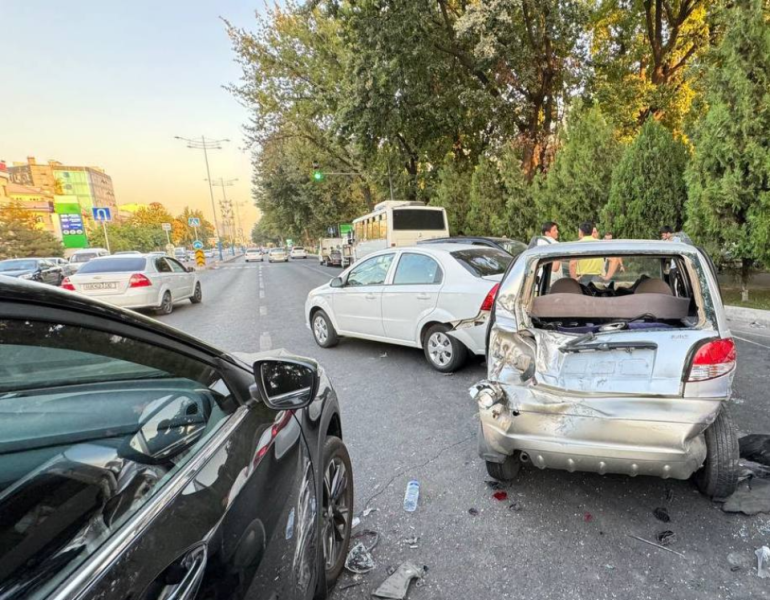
column 135, row 466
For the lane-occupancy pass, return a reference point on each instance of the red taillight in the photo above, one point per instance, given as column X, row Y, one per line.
column 138, row 280
column 489, row 301
column 66, row 284
column 713, row 359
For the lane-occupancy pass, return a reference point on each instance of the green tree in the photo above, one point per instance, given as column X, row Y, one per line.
column 126, row 236
column 453, row 193
column 19, row 236
column 648, row 188
column 486, row 211
column 577, row 185
column 729, row 177
column 154, row 214
column 183, row 234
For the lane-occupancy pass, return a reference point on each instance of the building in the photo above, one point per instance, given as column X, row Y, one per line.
column 38, row 202
column 34, row 175
column 5, row 179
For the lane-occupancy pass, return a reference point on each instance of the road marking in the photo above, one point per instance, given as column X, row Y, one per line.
column 261, row 284
column 263, row 311
column 261, row 294
column 750, row 332
column 265, row 343
column 751, row 342
column 319, row 271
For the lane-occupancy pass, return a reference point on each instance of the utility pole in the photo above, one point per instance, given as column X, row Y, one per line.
column 225, row 183
column 207, row 144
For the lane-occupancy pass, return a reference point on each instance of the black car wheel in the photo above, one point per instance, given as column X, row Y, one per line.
column 336, row 507
column 197, row 296
column 718, row 477
column 166, row 304
column 506, row 470
column 444, row 352
column 323, row 330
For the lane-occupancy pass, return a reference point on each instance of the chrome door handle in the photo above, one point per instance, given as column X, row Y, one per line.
column 370, row 296
column 195, row 565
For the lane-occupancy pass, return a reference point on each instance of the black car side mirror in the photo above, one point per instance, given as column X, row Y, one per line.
column 337, row 282
column 286, row 384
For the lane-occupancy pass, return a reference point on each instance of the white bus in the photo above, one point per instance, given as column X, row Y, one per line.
column 396, row 223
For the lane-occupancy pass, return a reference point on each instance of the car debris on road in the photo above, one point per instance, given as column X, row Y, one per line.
column 396, row 586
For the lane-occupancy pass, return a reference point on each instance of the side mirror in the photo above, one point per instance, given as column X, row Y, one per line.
column 337, row 282
column 286, row 384
column 190, row 269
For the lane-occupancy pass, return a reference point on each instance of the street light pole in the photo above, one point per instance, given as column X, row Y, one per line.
column 206, row 144
column 224, row 183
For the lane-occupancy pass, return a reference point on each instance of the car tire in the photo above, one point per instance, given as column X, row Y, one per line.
column 506, row 470
column 324, row 333
column 336, row 507
column 197, row 296
column 166, row 304
column 443, row 352
column 718, row 477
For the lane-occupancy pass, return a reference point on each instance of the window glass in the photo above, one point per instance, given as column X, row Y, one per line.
column 18, row 265
column 83, row 257
column 482, row 261
column 93, row 424
column 175, row 266
column 162, row 265
column 372, row 271
column 417, row 269
column 114, row 265
column 418, row 219
column 384, row 226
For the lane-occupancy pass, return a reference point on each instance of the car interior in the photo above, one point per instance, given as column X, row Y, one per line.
column 647, row 292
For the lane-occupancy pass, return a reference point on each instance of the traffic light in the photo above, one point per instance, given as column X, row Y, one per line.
column 317, row 173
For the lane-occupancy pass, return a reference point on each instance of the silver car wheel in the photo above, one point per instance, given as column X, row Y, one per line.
column 320, row 329
column 440, row 348
column 336, row 512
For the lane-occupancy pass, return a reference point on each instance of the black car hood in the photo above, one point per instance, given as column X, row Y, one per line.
column 18, row 272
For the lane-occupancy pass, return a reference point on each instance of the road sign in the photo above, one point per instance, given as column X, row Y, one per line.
column 198, row 245
column 200, row 258
column 289, row 242
column 194, row 222
column 71, row 224
column 166, row 226
column 331, row 230
column 102, row 214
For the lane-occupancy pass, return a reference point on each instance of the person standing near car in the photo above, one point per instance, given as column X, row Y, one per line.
column 586, row 270
column 550, row 235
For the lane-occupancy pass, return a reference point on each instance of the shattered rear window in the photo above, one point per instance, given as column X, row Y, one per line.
column 482, row 262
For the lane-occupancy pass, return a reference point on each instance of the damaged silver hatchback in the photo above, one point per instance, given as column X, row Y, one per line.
column 626, row 369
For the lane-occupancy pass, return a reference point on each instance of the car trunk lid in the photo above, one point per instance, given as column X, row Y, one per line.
column 101, row 284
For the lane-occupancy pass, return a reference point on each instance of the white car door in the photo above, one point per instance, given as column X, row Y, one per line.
column 412, row 295
column 358, row 304
column 184, row 281
column 164, row 278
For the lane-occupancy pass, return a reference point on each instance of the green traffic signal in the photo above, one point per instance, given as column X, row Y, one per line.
column 318, row 176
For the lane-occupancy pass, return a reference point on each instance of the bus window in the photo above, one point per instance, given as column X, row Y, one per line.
column 422, row 220
column 384, row 226
column 359, row 230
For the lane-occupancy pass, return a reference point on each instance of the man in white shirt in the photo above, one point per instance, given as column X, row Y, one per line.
column 550, row 235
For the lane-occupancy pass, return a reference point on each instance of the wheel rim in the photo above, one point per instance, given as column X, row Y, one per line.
column 320, row 329
column 166, row 302
column 198, row 292
column 336, row 512
column 440, row 348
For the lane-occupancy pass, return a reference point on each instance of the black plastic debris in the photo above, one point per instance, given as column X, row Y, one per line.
column 755, row 447
column 473, row 512
column 494, row 485
column 515, row 506
column 661, row 514
column 360, row 559
column 665, row 538
column 396, row 586
column 748, row 469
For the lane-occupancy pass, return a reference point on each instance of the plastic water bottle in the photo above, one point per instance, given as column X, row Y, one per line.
column 411, row 496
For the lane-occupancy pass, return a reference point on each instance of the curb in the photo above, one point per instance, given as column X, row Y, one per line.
column 223, row 261
column 747, row 315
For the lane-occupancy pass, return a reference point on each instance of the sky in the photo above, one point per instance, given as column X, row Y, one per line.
column 110, row 84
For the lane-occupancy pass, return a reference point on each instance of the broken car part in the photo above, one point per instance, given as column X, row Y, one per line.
column 397, row 585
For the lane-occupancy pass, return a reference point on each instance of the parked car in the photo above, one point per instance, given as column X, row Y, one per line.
column 325, row 248
column 61, row 262
column 298, row 252
column 137, row 282
column 182, row 254
column 277, row 255
column 210, row 253
column 81, row 257
column 436, row 297
column 512, row 247
column 624, row 373
column 335, row 257
column 139, row 461
column 253, row 255
column 34, row 269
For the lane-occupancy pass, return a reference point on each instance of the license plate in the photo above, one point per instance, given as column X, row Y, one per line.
column 100, row 286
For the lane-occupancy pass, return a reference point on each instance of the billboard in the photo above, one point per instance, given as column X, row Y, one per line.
column 73, row 228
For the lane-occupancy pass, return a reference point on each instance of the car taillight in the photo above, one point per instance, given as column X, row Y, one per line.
column 489, row 301
column 713, row 359
column 66, row 284
column 138, row 280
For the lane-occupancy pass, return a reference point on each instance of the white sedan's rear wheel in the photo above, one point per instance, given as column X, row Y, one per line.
column 166, row 304
column 444, row 352
column 323, row 330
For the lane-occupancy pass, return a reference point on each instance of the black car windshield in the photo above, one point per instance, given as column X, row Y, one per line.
column 18, row 265
column 513, row 247
column 482, row 262
column 121, row 264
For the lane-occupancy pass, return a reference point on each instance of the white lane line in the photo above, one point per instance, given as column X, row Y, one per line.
column 265, row 343
column 261, row 284
column 750, row 332
column 263, row 311
column 261, row 294
column 751, row 342
column 329, row 275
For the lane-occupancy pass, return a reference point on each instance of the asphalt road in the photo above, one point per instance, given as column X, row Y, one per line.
column 402, row 421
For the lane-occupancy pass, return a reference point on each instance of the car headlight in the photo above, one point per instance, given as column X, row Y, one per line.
column 27, row 276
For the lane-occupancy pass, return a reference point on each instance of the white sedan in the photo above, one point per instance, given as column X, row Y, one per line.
column 435, row 297
column 253, row 255
column 298, row 252
column 137, row 282
column 277, row 255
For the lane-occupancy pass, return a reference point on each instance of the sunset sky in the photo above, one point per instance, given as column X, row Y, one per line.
column 110, row 84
